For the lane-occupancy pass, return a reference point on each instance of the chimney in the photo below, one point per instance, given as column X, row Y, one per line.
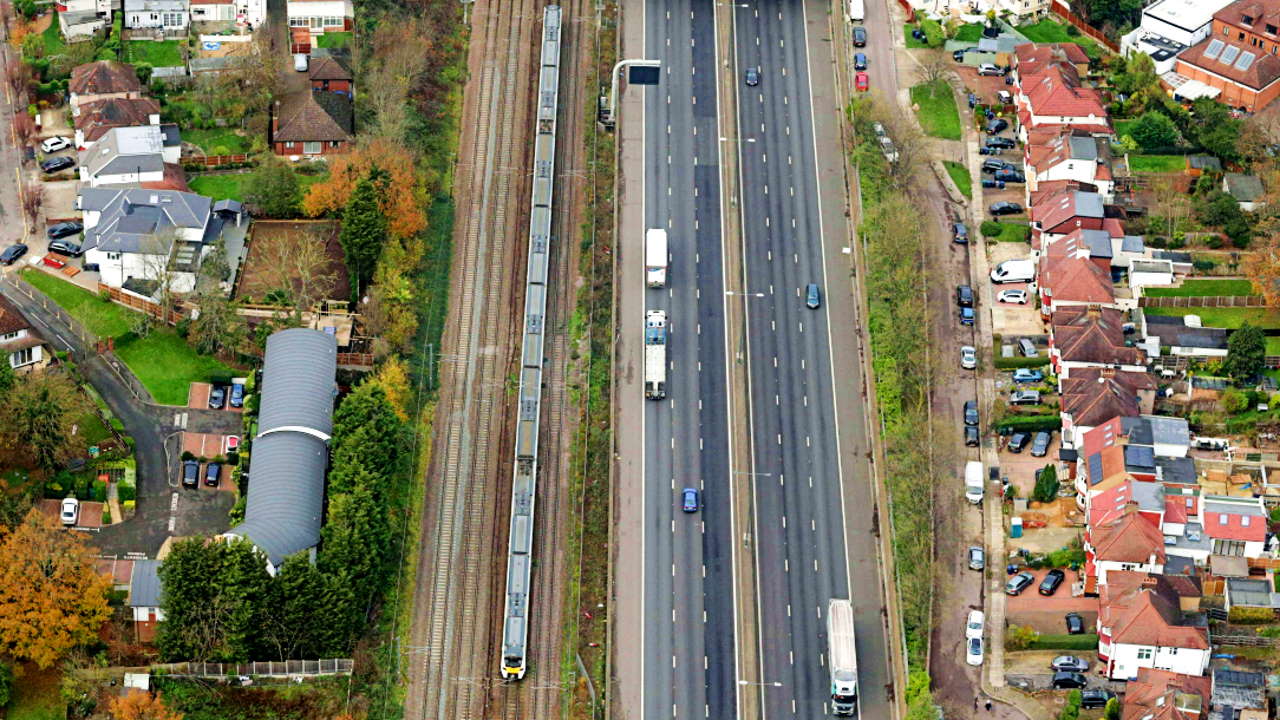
column 1108, row 374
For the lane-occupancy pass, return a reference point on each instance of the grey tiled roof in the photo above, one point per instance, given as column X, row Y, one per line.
column 131, row 218
column 144, row 584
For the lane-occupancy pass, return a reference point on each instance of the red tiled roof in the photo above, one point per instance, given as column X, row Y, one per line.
column 1260, row 14
column 1176, row 510
column 1067, row 278
column 1102, row 436
column 1092, row 334
column 1263, row 71
column 11, row 319
column 1061, row 208
column 1147, row 617
column 104, row 77
column 174, row 179
column 97, row 117
column 1053, row 188
column 1111, row 504
column 1056, row 91
column 1090, row 402
column 1129, row 539
column 1166, row 695
column 1235, row 527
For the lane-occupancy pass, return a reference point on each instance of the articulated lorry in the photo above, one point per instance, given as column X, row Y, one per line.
column 655, row 355
column 655, row 258
column 844, row 657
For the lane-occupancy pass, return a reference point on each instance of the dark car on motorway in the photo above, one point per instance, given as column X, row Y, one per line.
column 859, row 37
column 971, row 436
column 752, row 77
column 237, row 395
column 1068, row 681
column 1052, row 579
column 1094, row 698
column 991, row 165
column 190, row 473
column 1001, row 142
column 1008, row 175
column 64, row 229
column 859, row 61
column 12, row 253
column 1069, row 663
column 53, row 165
column 1004, row 207
column 212, row 472
column 997, row 125
column 1040, row 445
column 1018, row 441
column 1018, row 583
column 689, row 500
column 971, row 412
column 66, row 247
column 217, row 396
column 964, row 296
column 1075, row 624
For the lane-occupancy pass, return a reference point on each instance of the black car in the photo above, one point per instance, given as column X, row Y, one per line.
column 64, row 229
column 859, row 36
column 1075, row 624
column 53, row 165
column 988, row 183
column 971, row 436
column 12, row 253
column 997, row 125
column 190, row 473
column 1004, row 207
column 958, row 55
column 1001, row 142
column 991, row 165
column 1093, row 698
column 1018, row 441
column 211, row 474
column 959, row 233
column 1010, row 176
column 217, row 396
column 1052, row 580
column 1068, row 681
column 66, row 247
column 752, row 77
column 971, row 412
column 964, row 296
column 989, row 151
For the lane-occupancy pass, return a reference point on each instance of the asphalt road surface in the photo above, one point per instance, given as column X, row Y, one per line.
column 688, row 581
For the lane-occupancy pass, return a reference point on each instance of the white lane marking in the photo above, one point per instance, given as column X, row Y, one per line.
column 779, row 438
column 788, row 609
column 766, row 189
column 786, row 565
column 777, row 400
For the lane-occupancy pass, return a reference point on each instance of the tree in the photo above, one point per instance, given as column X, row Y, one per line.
column 296, row 264
column 51, row 597
column 1170, row 205
column 140, row 705
column 1071, row 710
column 40, row 413
column 400, row 197
column 1047, row 484
column 357, row 544
column 1020, row 637
column 273, row 190
column 8, row 378
column 1262, row 267
column 195, row 608
column 24, row 128
column 393, row 378
column 6, row 684
column 1246, row 353
column 289, row 617
column 1217, row 209
column 247, row 585
column 933, row 70
column 1154, row 130
column 32, row 201
column 364, row 230
column 1112, row 12
column 1112, row 711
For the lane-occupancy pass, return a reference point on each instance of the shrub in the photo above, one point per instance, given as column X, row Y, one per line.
column 99, row 491
column 990, row 228
column 1047, row 484
column 1064, row 642
column 188, row 455
column 1071, row 710
column 117, row 425
column 1029, row 423
column 1020, row 637
column 1112, row 712
column 1271, row 632
column 1204, row 265
column 126, row 492
column 6, row 683
column 1004, row 363
column 1250, row 615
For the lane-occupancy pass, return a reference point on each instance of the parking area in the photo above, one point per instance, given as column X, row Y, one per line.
column 1047, row 614
column 90, row 513
column 986, row 87
column 206, row 446
column 198, row 395
column 1027, row 662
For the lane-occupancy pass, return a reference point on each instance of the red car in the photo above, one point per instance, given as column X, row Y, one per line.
column 861, row 82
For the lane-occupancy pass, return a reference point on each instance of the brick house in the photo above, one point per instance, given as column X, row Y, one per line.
column 312, row 124
column 1165, row 695
column 1237, row 63
column 98, row 117
column 20, row 345
column 102, row 80
column 1141, row 624
column 1071, row 155
column 330, row 74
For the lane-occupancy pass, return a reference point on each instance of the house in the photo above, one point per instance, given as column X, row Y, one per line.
column 312, row 123
column 1093, row 395
column 99, row 116
column 144, row 598
column 1182, row 339
column 167, row 17
column 1164, row 695
column 1054, row 95
column 1170, row 26
column 328, row 73
column 1246, row 189
column 1031, row 58
column 251, row 12
column 1236, row 63
column 130, row 156
column 102, row 80
column 80, row 19
column 1065, row 212
column 1074, row 280
column 1091, row 336
column 1069, row 155
column 290, row 453
column 1237, row 695
column 138, row 236
column 1141, row 624
column 321, row 16
column 1127, row 542
column 213, row 11
column 1236, row 526
column 20, row 344
column 1249, row 592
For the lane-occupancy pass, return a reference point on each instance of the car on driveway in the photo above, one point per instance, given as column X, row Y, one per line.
column 862, row 82
column 64, row 229
column 1075, row 624
column 217, row 397
column 57, row 164
column 70, row 513
column 237, row 395
column 968, row 357
column 1069, row 663
column 751, row 77
column 973, row 655
column 1052, row 580
column 212, row 473
column 190, row 473
column 1012, row 296
column 1027, row 375
column 1028, row 348
column 970, row 412
column 689, row 500
column 1018, row 583
column 1024, row 397
column 1040, row 445
column 973, row 626
column 958, row 55
column 859, row 61
column 1068, row 681
column 989, row 69
column 991, row 165
column 1004, row 207
column 996, row 125
column 54, row 144
column 12, row 253
column 1010, row 176
column 977, row 557
column 1018, row 441
column 1003, row 143
column 1094, row 698
column 66, row 247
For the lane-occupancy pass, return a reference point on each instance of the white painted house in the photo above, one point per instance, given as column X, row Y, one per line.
column 1170, row 26
column 169, row 17
column 129, row 156
column 144, row 596
column 1142, row 626
column 321, row 16
column 20, row 345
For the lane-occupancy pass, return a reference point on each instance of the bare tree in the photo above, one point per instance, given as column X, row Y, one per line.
column 934, row 69
column 24, row 128
column 33, row 201
column 400, row 55
column 20, row 79
column 298, row 264
column 912, row 147
column 1171, row 205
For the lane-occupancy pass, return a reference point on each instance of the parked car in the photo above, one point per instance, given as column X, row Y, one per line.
column 859, row 36
column 974, row 625
column 212, row 473
column 1069, row 663
column 958, row 55
column 862, row 82
column 960, row 233
column 1024, row 397
column 966, row 316
column 54, row 144
column 1093, row 698
column 918, row 34
column 1012, row 296
column 1028, row 348
column 1018, row 583
column 217, row 397
column 970, row 412
column 190, row 473
column 989, row 69
column 1010, row 176
column 1075, row 624
column 1004, row 207
column 968, row 357
column 64, row 229
column 997, row 125
column 964, row 296
column 879, row 129
column 973, row 655
column 1052, row 579
column 859, row 61
column 751, row 77
column 57, row 164
column 991, row 165
column 888, row 150
column 12, row 253
column 972, row 438
column 1027, row 375
column 989, row 183
column 977, row 557
column 70, row 511
column 689, row 500
column 300, row 62
column 237, row 395
column 1003, row 143
column 1068, row 681
column 1018, row 441
column 1040, row 445
column 66, row 247
column 812, row 296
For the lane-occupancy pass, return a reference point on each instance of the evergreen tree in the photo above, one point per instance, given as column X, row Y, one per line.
column 1246, row 353
column 247, row 586
column 292, row 614
column 274, row 191
column 195, row 609
column 364, row 230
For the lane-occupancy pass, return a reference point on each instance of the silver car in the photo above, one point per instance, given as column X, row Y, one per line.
column 1070, row 663
column 977, row 557
column 968, row 357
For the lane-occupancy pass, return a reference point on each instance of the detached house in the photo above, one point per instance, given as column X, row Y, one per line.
column 20, row 345
column 102, row 80
column 321, row 16
column 97, row 117
column 313, row 124
column 1141, row 624
column 1237, row 62
column 131, row 156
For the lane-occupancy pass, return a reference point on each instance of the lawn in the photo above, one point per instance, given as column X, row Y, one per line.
column 912, row 43
column 36, row 695
column 1205, row 287
column 969, row 33
column 105, row 319
column 1156, row 163
column 1013, row 232
column 52, row 37
column 937, row 111
column 1273, row 345
column 217, row 141
column 1051, row 31
column 333, row 40
column 960, row 174
column 1122, row 126
column 1230, row 318
column 234, row 186
column 167, row 366
column 165, row 53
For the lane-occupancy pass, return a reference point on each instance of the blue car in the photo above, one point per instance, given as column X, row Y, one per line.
column 237, row 395
column 690, row 500
column 1027, row 375
column 966, row 316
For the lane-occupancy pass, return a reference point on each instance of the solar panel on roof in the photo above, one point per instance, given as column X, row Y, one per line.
column 1229, row 55
column 1214, row 49
column 1246, row 59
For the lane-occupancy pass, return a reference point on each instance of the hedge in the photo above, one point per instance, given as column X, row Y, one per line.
column 1029, row 423
column 1064, row 642
column 1250, row 615
column 1004, row 363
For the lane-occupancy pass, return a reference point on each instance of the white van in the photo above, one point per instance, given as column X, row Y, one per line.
column 1012, row 271
column 973, row 482
column 300, row 62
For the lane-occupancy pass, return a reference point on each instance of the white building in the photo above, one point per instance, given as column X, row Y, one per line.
column 321, row 16
column 1141, row 625
column 1170, row 26
column 251, row 12
column 130, row 156
column 20, row 346
column 213, row 11
column 170, row 17
column 144, row 593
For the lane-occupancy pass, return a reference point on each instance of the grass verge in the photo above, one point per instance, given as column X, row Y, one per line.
column 912, row 43
column 1230, row 318
column 1148, row 164
column 1214, row 287
column 104, row 319
column 960, row 176
column 937, row 109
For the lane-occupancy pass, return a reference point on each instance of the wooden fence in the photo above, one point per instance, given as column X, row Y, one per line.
column 214, row 160
column 1244, row 640
column 1214, row 301
column 363, row 360
column 134, row 302
column 1063, row 10
column 286, row 668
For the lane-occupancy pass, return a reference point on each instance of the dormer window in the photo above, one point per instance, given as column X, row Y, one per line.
column 1271, row 29
column 1246, row 19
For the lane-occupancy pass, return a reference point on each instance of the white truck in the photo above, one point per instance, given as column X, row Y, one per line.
column 844, row 657
column 655, row 354
column 856, row 11
column 655, row 257
column 973, row 488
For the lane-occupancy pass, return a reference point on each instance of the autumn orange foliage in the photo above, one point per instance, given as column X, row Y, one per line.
column 400, row 200
column 139, row 705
